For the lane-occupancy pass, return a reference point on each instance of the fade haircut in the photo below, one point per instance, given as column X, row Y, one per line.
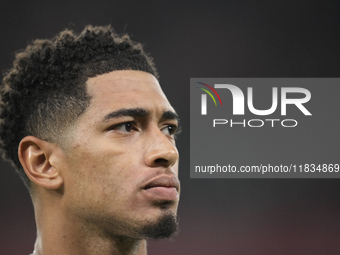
column 45, row 90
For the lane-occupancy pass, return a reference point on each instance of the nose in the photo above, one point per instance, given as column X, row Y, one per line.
column 161, row 151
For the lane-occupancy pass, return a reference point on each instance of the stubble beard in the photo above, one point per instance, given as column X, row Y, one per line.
column 165, row 227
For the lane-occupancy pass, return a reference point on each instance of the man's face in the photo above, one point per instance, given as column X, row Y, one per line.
column 121, row 165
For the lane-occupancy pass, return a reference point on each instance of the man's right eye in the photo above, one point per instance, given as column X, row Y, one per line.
column 125, row 127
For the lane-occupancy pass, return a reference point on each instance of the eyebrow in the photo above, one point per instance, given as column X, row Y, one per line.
column 133, row 112
column 169, row 115
column 138, row 112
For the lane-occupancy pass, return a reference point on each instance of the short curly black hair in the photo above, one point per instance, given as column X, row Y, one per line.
column 45, row 91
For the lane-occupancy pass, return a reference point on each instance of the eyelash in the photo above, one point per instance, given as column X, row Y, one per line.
column 175, row 129
column 132, row 123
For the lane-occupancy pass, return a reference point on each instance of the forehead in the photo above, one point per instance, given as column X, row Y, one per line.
column 126, row 89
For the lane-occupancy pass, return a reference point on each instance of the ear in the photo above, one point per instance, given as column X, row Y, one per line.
column 35, row 157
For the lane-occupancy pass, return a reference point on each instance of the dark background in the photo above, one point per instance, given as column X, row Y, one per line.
column 204, row 39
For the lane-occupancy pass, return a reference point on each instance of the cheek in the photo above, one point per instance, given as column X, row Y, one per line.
column 102, row 175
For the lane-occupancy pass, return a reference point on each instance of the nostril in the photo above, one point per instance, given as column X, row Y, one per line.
column 161, row 161
column 164, row 155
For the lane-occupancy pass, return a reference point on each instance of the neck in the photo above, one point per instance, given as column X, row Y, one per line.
column 63, row 246
column 60, row 233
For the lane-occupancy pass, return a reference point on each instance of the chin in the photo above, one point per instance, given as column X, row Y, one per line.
column 155, row 222
column 165, row 226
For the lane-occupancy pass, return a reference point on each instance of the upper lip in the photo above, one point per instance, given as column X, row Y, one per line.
column 163, row 181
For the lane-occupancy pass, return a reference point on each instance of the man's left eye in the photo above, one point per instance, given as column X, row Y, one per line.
column 170, row 130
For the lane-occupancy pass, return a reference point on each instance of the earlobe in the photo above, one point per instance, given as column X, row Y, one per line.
column 34, row 155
